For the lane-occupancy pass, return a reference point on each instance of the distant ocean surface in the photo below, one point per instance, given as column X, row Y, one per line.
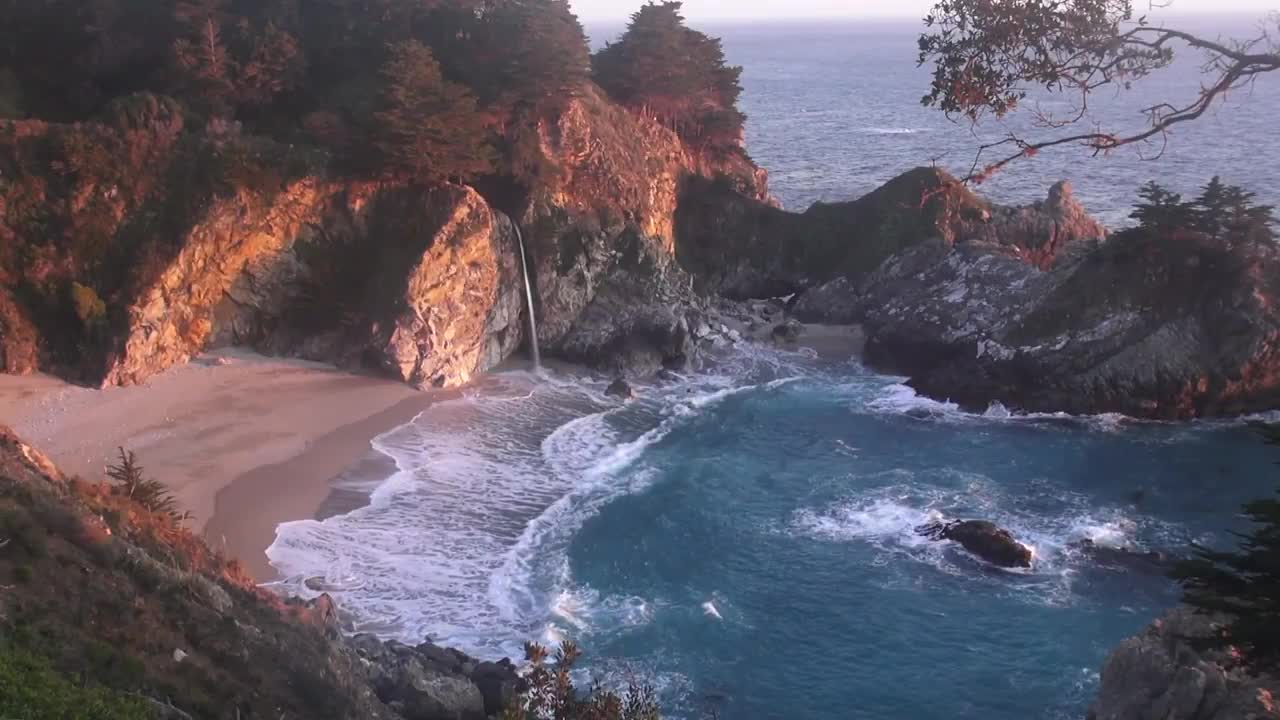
column 834, row 112
column 743, row 538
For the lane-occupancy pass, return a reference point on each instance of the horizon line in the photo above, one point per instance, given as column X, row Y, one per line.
column 1224, row 14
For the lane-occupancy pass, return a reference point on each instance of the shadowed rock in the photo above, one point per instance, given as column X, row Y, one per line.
column 620, row 389
column 984, row 539
column 1151, row 562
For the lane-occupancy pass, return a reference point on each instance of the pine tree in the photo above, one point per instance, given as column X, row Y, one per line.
column 543, row 59
column 665, row 70
column 428, row 128
column 1211, row 208
column 204, row 66
column 1162, row 210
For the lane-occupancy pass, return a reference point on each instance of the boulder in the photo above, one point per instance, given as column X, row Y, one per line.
column 835, row 303
column 420, row 693
column 788, row 332
column 1163, row 673
column 984, row 539
column 498, row 682
column 620, row 388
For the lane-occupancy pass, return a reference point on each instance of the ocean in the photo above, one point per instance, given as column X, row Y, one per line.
column 743, row 539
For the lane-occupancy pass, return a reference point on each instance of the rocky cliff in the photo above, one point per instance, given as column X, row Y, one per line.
column 1147, row 324
column 132, row 245
column 151, row 623
column 1162, row 674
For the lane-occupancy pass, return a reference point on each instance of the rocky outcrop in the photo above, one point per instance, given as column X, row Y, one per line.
column 741, row 247
column 1146, row 324
column 982, row 538
column 601, row 231
column 1161, row 674
column 429, row 682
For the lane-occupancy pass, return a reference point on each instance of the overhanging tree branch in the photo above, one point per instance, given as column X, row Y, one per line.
column 989, row 55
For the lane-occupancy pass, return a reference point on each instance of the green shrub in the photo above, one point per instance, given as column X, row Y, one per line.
column 90, row 308
column 25, row 535
column 34, row 691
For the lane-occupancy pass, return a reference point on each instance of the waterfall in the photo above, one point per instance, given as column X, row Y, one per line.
column 528, row 294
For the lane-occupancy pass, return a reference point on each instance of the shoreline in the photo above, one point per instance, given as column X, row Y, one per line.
column 243, row 441
column 247, row 442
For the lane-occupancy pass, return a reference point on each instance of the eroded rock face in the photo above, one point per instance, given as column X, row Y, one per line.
column 1149, row 326
column 423, row 284
column 418, row 283
column 1159, row 675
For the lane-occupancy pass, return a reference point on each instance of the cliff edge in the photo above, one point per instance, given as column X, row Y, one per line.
column 1161, row 674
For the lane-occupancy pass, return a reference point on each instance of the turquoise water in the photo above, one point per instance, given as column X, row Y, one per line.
column 743, row 539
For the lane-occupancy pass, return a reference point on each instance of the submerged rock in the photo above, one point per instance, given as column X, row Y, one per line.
column 984, row 539
column 1151, row 562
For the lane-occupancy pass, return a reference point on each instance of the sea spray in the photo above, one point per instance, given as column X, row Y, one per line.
column 528, row 296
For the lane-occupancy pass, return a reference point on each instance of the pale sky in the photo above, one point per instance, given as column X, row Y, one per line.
column 619, row 10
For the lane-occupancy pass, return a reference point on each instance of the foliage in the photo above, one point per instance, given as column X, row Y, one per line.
column 661, row 68
column 551, row 694
column 1221, row 212
column 544, row 61
column 34, row 690
column 90, row 308
column 428, row 127
column 132, row 482
column 989, row 57
column 1244, row 583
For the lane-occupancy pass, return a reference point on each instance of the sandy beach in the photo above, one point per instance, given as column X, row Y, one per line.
column 244, row 445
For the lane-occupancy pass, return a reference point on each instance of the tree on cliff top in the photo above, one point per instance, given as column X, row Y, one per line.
column 1222, row 212
column 677, row 75
column 1244, row 584
column 428, row 129
column 988, row 55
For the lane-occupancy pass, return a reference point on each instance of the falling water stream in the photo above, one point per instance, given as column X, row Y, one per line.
column 528, row 294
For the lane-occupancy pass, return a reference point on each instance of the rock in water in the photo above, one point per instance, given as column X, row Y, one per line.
column 1151, row 562
column 620, row 389
column 788, row 332
column 984, row 539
